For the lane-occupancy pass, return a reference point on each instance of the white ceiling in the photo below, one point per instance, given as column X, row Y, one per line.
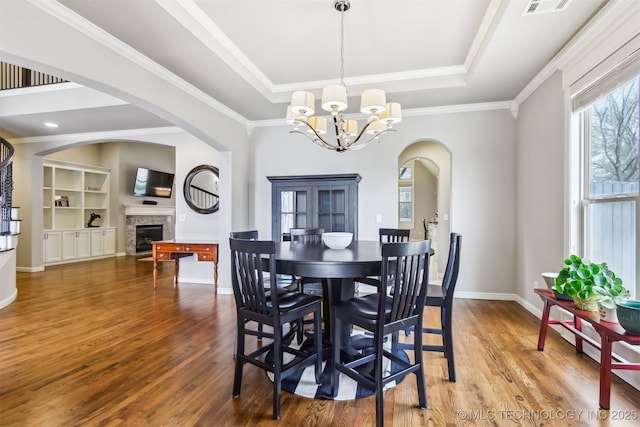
column 250, row 55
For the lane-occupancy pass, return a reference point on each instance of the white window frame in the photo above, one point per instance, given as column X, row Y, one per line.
column 582, row 200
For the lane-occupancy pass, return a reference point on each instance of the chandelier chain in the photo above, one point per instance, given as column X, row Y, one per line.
column 342, row 48
column 301, row 109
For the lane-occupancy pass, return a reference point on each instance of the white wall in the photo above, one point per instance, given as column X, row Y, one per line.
column 190, row 225
column 482, row 146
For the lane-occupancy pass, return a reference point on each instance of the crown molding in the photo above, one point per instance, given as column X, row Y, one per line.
column 94, row 32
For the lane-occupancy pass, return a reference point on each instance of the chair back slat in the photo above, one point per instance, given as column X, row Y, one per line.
column 248, row 274
column 450, row 277
column 245, row 235
column 306, row 235
column 393, row 235
column 406, row 264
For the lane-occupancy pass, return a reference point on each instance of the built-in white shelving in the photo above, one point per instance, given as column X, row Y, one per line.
column 71, row 195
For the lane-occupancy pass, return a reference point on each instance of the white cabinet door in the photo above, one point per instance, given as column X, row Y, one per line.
column 109, row 241
column 103, row 242
column 75, row 244
column 69, row 244
column 83, row 243
column 52, row 246
column 97, row 242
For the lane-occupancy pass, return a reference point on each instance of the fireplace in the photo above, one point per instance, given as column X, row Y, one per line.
column 145, row 234
column 143, row 215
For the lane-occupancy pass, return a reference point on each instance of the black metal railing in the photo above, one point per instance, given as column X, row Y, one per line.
column 14, row 77
column 6, row 186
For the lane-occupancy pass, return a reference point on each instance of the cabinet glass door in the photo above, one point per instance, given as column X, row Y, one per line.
column 294, row 209
column 332, row 211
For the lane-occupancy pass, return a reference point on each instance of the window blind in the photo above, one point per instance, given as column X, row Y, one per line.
column 615, row 71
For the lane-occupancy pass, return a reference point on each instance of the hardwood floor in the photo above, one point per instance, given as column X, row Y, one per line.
column 93, row 344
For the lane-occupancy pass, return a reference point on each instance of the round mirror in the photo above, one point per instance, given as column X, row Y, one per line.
column 201, row 189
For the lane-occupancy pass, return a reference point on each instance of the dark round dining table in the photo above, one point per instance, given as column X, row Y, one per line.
column 335, row 268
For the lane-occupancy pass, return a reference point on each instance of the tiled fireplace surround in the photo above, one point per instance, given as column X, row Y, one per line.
column 148, row 215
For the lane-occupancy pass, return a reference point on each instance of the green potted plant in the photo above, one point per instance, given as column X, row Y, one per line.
column 611, row 291
column 586, row 282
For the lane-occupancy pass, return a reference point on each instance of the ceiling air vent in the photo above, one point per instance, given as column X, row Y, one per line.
column 535, row 7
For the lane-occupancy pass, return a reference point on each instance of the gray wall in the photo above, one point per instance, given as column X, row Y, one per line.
column 483, row 204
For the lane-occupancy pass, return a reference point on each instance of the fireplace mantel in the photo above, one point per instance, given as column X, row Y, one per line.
column 141, row 210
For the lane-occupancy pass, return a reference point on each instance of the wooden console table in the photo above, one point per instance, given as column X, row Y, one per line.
column 609, row 333
column 167, row 250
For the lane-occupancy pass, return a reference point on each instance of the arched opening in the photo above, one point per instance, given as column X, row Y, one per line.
column 424, row 195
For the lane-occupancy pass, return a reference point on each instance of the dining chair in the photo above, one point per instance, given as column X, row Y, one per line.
column 442, row 296
column 250, row 261
column 385, row 235
column 286, row 283
column 246, row 235
column 306, row 235
column 381, row 315
column 313, row 286
column 301, row 236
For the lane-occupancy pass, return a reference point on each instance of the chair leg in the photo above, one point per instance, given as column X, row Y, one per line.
column 317, row 332
column 394, row 342
column 377, row 373
column 237, row 378
column 422, row 389
column 300, row 330
column 447, row 338
column 335, row 357
column 277, row 372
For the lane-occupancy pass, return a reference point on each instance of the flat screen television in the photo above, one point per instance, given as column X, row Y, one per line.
column 152, row 183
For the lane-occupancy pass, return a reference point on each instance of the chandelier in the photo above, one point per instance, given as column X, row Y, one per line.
column 381, row 115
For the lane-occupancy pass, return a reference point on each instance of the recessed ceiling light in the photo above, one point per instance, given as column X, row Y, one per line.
column 51, row 124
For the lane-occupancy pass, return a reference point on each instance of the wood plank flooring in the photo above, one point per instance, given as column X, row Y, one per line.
column 93, row 344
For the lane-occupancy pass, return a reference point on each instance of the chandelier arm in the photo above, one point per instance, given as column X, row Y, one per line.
column 355, row 141
column 317, row 138
column 353, row 145
column 318, row 142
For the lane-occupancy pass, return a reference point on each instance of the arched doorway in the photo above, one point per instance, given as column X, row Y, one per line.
column 425, row 197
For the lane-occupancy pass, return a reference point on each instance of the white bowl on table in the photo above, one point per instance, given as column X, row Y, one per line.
column 337, row 240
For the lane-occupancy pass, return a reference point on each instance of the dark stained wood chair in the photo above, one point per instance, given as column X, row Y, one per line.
column 250, row 280
column 286, row 283
column 386, row 235
column 381, row 315
column 306, row 235
column 442, row 296
column 311, row 236
column 313, row 286
column 246, row 235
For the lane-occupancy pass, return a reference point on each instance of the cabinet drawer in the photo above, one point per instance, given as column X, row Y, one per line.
column 205, row 257
column 170, row 247
column 163, row 255
column 199, row 248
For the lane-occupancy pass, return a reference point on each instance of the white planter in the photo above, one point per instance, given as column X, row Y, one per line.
column 608, row 314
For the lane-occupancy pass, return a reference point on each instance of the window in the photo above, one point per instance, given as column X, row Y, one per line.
column 609, row 134
column 405, row 204
column 406, row 172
